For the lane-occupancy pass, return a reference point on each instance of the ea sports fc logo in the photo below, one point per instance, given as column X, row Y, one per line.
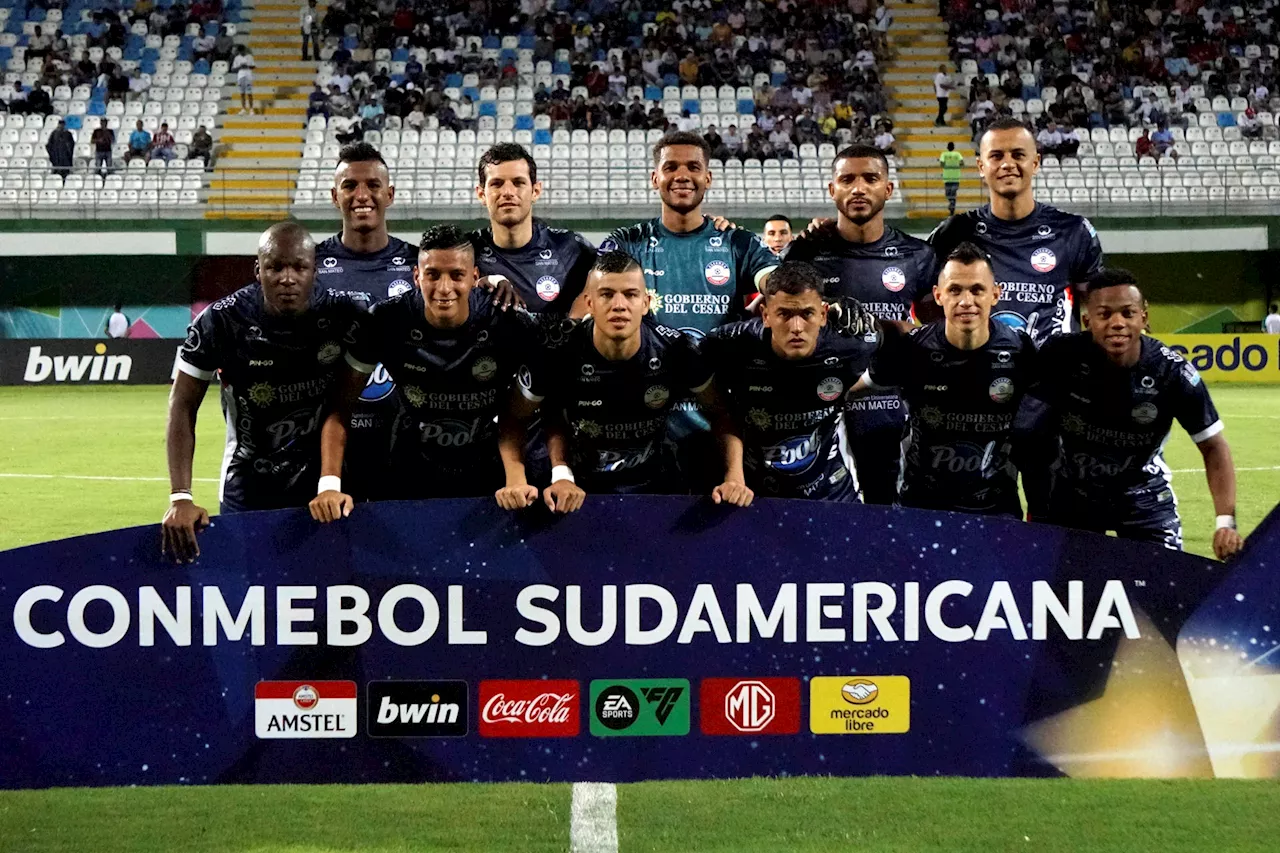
column 717, row 273
column 1043, row 260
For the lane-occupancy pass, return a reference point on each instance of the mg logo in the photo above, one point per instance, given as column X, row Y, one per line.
column 750, row 706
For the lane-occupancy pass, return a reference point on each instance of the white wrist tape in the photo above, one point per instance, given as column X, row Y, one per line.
column 174, row 497
column 329, row 483
column 1225, row 521
column 562, row 472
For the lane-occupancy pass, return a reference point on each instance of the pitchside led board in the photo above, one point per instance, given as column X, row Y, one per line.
column 1230, row 358
column 640, row 638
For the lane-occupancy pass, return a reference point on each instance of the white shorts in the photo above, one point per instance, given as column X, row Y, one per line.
column 245, row 81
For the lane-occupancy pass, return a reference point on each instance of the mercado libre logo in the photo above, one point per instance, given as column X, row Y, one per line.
column 639, row 707
column 863, row 704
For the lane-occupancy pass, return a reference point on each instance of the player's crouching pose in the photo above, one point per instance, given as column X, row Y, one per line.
column 785, row 376
column 276, row 345
column 453, row 354
column 1107, row 397
column 606, row 390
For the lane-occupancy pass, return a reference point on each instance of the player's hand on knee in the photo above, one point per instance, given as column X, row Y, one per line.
column 1227, row 542
column 182, row 521
column 503, row 291
column 516, row 497
column 564, row 496
column 330, row 506
column 733, row 492
column 722, row 224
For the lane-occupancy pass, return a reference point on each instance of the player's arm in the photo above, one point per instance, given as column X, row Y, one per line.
column 1221, row 474
column 577, row 279
column 517, row 493
column 1088, row 262
column 330, row 502
column 734, row 489
column 503, row 291
column 1033, row 439
column 563, row 495
column 184, row 519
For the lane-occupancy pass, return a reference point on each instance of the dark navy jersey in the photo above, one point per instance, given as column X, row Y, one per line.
column 452, row 382
column 373, row 276
column 616, row 411
column 1114, row 421
column 276, row 373
column 791, row 412
column 548, row 273
column 1036, row 260
column 888, row 277
column 961, row 406
column 698, row 279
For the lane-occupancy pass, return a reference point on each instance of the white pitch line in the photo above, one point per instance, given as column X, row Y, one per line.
column 93, row 477
column 1198, row 470
column 593, row 825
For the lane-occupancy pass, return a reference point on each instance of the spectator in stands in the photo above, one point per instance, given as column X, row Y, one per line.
column 309, row 21
column 103, row 139
column 951, row 161
column 38, row 45
column 942, row 86
column 317, row 103
column 202, row 47
column 981, row 112
column 777, row 233
column 139, row 143
column 372, row 115
column 201, row 146
column 1249, row 126
column 117, row 323
column 340, row 104
column 1049, row 140
column 885, row 141
column 1144, row 147
column 38, row 101
column 243, row 66
column 1162, row 140
column 223, row 46
column 162, row 144
column 882, row 21
column 61, row 147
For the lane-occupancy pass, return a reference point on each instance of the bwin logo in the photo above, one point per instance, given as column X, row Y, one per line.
column 73, row 368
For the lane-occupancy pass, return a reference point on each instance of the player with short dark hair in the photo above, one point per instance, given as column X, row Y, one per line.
column 888, row 272
column 547, row 266
column 1109, row 395
column 1041, row 255
column 453, row 355
column 698, row 277
column 607, row 390
column 777, row 233
column 962, row 379
column 275, row 345
column 784, row 376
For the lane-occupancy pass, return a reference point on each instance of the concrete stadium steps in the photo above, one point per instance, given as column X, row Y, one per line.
column 918, row 45
column 257, row 171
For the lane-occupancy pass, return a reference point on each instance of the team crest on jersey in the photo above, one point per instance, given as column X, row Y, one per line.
column 329, row 353
column 893, row 278
column 261, row 394
column 759, row 418
column 656, row 397
column 413, row 395
column 717, row 273
column 931, row 416
column 484, row 369
column 548, row 288
column 1001, row 390
column 398, row 287
column 1043, row 260
column 830, row 388
column 1145, row 413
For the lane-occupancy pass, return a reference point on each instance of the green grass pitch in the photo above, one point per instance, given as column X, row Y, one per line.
column 76, row 461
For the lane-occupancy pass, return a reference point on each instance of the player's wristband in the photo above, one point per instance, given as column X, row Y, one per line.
column 1225, row 522
column 174, row 497
column 562, row 472
column 329, row 483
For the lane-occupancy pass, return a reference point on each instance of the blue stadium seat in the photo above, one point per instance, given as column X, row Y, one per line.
column 488, row 108
column 97, row 108
column 777, row 78
column 491, row 42
column 211, row 28
column 746, row 106
column 351, row 42
column 561, row 68
column 453, row 81
column 73, row 122
column 542, row 137
column 1226, row 120
column 472, row 92
column 524, row 122
column 201, row 67
column 652, row 93
column 692, row 106
column 400, row 54
column 528, row 41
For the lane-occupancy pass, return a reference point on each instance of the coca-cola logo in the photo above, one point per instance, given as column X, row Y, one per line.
column 520, row 708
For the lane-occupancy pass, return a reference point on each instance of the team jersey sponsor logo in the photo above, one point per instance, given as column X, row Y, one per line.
column 749, row 706
column 534, row 708
column 1145, row 413
column 1044, row 231
column 545, row 254
column 893, row 279
column 1043, row 260
column 1012, row 319
column 262, row 394
column 379, row 386
column 717, row 273
column 548, row 288
column 830, row 388
column 330, row 263
column 716, row 241
column 793, row 456
column 1001, row 390
column 304, row 709
column 484, row 369
column 417, row 708
column 656, row 396
column 640, row 707
column 398, row 287
column 868, row 704
column 329, row 353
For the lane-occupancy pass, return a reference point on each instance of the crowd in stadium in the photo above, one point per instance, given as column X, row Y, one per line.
column 805, row 72
column 1152, row 64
